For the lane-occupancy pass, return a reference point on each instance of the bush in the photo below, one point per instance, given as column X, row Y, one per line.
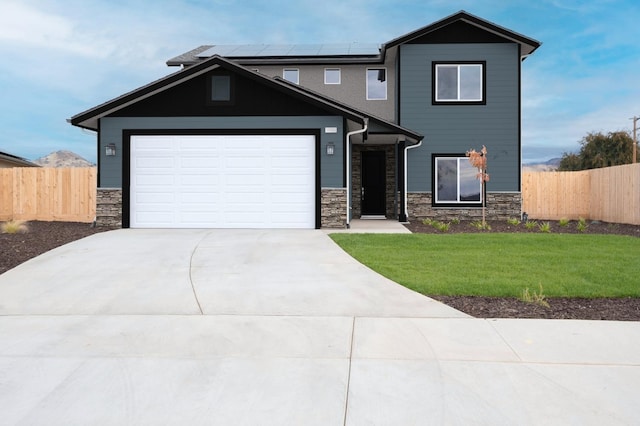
column 545, row 227
column 582, row 225
column 563, row 222
column 513, row 221
column 441, row 226
column 479, row 225
column 14, row 227
column 533, row 297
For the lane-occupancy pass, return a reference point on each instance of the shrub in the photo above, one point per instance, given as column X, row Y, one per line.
column 455, row 221
column 530, row 224
column 533, row 297
column 14, row 227
column 427, row 221
column 479, row 225
column 582, row 225
column 563, row 222
column 513, row 221
column 545, row 227
column 441, row 226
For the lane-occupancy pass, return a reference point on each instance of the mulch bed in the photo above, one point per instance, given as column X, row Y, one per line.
column 44, row 236
column 614, row 309
column 40, row 238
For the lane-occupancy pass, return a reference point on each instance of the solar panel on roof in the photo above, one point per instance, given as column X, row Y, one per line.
column 266, row 50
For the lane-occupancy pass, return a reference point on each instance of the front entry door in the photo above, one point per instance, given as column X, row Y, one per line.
column 373, row 183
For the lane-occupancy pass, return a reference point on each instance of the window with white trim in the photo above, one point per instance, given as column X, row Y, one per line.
column 376, row 84
column 455, row 182
column 459, row 82
column 332, row 76
column 292, row 75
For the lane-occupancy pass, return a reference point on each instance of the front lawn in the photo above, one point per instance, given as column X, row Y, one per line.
column 502, row 265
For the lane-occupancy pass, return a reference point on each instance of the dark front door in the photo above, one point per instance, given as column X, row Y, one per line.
column 373, row 183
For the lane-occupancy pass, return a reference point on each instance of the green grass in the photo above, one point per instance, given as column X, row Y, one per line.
column 502, row 265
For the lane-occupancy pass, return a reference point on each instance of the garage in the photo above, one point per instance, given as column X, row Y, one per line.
column 222, row 181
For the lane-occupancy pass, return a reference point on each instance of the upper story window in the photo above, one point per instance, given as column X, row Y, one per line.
column 459, row 83
column 455, row 181
column 376, row 84
column 221, row 89
column 332, row 76
column 292, row 75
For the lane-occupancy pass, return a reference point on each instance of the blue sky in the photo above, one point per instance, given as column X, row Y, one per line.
column 61, row 57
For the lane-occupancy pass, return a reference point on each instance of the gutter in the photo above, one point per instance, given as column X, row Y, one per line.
column 406, row 168
column 348, row 167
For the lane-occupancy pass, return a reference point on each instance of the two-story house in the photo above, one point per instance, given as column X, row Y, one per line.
column 310, row 136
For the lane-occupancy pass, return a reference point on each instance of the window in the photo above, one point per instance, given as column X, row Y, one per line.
column 376, row 84
column 220, row 88
column 332, row 76
column 455, row 182
column 459, row 83
column 292, row 75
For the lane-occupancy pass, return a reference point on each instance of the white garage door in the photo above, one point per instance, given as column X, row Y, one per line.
column 230, row 181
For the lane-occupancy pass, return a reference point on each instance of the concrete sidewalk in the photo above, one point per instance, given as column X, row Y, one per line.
column 282, row 327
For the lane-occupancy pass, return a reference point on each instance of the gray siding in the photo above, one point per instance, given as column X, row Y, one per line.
column 352, row 89
column 331, row 169
column 458, row 128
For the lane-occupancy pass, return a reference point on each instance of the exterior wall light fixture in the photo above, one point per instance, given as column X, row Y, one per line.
column 110, row 150
column 330, row 148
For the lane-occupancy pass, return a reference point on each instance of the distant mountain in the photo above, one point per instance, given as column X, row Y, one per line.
column 63, row 159
column 547, row 166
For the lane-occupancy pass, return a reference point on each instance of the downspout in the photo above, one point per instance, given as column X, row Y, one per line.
column 349, row 134
column 406, row 168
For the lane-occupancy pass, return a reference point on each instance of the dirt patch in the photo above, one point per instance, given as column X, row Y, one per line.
column 592, row 227
column 40, row 238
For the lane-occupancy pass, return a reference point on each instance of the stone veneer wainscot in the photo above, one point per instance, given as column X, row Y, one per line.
column 500, row 206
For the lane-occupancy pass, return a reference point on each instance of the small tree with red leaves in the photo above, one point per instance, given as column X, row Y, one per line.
column 479, row 161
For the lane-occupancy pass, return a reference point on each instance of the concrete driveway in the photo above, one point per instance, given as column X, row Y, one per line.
column 282, row 327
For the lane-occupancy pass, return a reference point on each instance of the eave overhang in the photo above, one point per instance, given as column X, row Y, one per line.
column 527, row 45
column 89, row 119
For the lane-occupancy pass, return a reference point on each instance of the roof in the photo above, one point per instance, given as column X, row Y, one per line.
column 14, row 159
column 392, row 127
column 283, row 53
column 342, row 53
column 527, row 45
column 89, row 119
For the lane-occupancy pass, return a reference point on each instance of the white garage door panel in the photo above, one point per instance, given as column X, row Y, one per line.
column 230, row 181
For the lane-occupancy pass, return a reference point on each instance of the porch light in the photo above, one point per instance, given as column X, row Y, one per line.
column 330, row 148
column 110, row 150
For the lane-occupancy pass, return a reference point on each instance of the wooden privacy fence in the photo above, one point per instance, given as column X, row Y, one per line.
column 49, row 194
column 610, row 194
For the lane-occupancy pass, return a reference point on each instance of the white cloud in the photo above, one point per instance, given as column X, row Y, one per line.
column 36, row 31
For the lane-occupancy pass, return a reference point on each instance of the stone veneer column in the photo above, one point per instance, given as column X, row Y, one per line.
column 333, row 210
column 109, row 207
column 390, row 178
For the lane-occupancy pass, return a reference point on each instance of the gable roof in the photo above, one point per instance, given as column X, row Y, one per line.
column 527, row 45
column 89, row 119
column 351, row 53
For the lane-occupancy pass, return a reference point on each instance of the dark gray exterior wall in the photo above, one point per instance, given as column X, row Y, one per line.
column 352, row 89
column 458, row 128
column 331, row 167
